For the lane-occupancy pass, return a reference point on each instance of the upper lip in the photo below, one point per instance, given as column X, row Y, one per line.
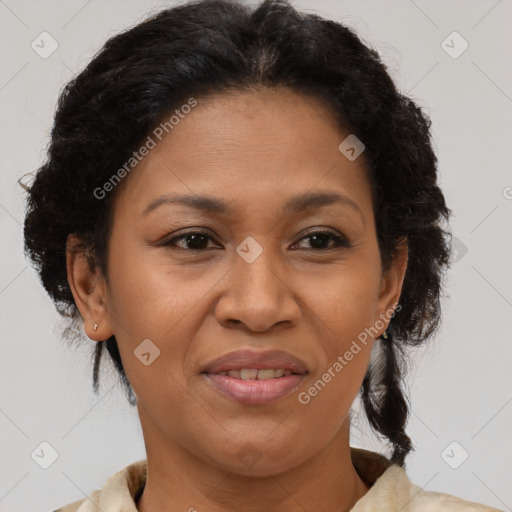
column 246, row 359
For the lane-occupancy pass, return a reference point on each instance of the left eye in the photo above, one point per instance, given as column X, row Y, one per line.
column 198, row 240
column 318, row 238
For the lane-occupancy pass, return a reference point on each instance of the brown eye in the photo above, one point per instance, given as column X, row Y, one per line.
column 194, row 241
column 319, row 239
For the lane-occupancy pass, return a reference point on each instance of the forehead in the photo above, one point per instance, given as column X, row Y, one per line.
column 249, row 148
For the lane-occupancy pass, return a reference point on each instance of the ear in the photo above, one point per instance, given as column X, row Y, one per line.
column 88, row 287
column 391, row 285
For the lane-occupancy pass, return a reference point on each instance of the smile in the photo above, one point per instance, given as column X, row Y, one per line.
column 252, row 373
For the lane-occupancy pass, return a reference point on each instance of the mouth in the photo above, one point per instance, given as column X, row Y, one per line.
column 255, row 374
column 255, row 378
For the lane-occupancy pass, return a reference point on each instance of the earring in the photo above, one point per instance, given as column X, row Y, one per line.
column 95, row 327
column 385, row 334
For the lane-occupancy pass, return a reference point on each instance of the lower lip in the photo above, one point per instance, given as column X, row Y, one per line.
column 255, row 391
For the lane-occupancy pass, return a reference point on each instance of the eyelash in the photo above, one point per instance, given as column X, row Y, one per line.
column 341, row 241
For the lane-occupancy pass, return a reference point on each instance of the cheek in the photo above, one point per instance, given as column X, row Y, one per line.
column 150, row 299
column 346, row 305
column 346, row 297
column 147, row 295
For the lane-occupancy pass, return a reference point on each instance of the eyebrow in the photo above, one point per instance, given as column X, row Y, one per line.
column 296, row 204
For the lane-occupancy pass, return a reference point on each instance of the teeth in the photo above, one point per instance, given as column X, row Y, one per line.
column 248, row 374
column 265, row 374
column 254, row 374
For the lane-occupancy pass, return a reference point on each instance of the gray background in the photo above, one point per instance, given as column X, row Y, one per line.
column 459, row 385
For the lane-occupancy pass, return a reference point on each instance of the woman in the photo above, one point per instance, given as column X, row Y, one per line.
column 240, row 205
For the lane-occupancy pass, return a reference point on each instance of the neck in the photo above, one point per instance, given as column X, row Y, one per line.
column 179, row 480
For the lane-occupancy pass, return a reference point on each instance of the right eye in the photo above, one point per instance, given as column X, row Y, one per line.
column 195, row 240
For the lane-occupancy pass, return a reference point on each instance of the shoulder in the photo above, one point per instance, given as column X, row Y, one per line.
column 393, row 491
column 430, row 501
column 119, row 491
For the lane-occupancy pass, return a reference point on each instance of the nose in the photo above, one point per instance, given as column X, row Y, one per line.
column 258, row 296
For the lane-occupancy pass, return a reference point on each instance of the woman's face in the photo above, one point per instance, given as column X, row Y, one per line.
column 256, row 279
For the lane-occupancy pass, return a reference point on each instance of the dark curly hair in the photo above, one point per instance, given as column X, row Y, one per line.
column 212, row 46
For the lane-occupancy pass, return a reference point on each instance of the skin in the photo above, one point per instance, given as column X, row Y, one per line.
column 253, row 150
